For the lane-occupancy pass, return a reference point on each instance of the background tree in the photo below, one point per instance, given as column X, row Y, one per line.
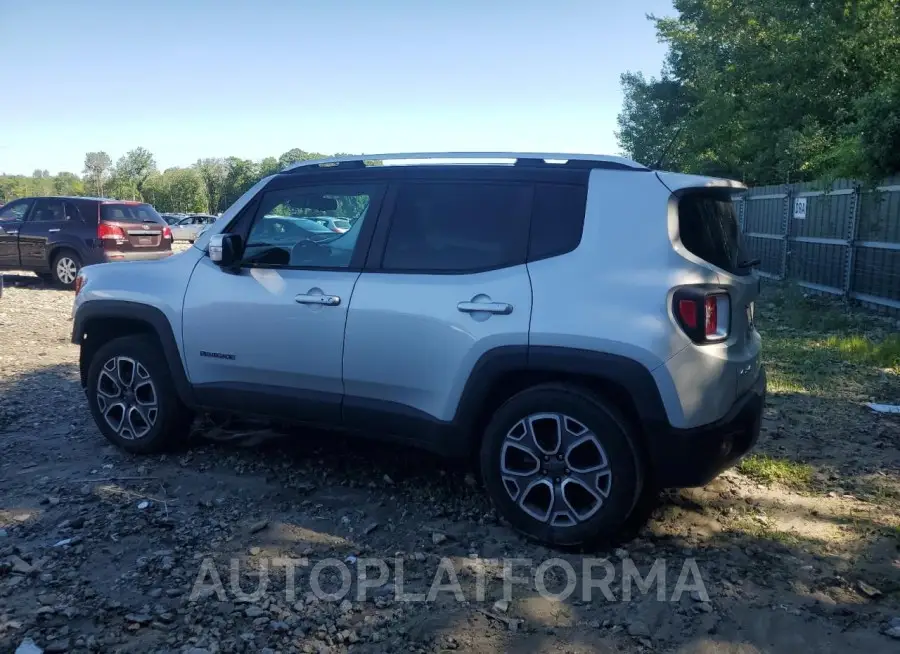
column 771, row 90
column 240, row 175
column 212, row 173
column 97, row 166
column 133, row 169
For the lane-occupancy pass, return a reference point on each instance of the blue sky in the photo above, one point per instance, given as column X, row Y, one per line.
column 203, row 78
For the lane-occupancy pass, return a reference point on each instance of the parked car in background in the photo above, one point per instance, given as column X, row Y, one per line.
column 172, row 218
column 55, row 236
column 336, row 225
column 580, row 326
column 190, row 227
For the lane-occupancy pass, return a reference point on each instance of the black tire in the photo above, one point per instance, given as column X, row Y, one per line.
column 623, row 482
column 151, row 432
column 65, row 267
column 47, row 278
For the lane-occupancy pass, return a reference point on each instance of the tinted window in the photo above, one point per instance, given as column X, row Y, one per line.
column 557, row 220
column 709, row 229
column 130, row 213
column 47, row 211
column 458, row 227
column 72, row 212
column 286, row 232
column 15, row 210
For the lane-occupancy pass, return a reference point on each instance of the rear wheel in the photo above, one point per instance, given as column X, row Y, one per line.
column 132, row 396
column 65, row 269
column 560, row 465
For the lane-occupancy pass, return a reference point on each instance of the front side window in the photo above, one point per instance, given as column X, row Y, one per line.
column 48, row 211
column 458, row 227
column 15, row 211
column 288, row 229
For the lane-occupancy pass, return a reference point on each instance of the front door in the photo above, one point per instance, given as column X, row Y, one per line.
column 12, row 216
column 269, row 338
column 45, row 221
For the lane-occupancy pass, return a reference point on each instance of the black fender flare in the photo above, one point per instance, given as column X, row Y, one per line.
column 152, row 319
column 505, row 362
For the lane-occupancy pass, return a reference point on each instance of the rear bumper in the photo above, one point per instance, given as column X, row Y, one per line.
column 685, row 458
column 112, row 255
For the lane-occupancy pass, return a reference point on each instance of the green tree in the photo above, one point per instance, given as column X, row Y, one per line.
column 268, row 166
column 296, row 154
column 68, row 184
column 240, row 175
column 213, row 173
column 97, row 166
column 134, row 168
column 770, row 90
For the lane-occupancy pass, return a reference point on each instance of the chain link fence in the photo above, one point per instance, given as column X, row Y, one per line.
column 843, row 240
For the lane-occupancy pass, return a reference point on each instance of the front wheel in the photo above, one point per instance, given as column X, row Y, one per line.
column 132, row 396
column 66, row 265
column 561, row 466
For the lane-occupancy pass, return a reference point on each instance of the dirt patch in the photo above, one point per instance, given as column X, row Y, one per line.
column 100, row 551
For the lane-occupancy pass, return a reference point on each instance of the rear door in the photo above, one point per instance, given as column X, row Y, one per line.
column 141, row 228
column 40, row 231
column 12, row 217
column 446, row 281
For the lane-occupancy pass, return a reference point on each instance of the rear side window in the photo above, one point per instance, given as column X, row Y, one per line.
column 47, row 211
column 557, row 220
column 458, row 227
column 130, row 213
column 709, row 229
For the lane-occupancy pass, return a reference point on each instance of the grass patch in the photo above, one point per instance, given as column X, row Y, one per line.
column 765, row 469
column 862, row 349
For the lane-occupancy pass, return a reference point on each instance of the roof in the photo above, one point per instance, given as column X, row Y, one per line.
column 455, row 158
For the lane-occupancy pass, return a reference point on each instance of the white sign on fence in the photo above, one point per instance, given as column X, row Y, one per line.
column 800, row 208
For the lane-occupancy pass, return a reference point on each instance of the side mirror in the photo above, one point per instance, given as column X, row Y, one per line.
column 225, row 249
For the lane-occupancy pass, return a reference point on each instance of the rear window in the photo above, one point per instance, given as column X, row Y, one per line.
column 709, row 229
column 557, row 220
column 130, row 213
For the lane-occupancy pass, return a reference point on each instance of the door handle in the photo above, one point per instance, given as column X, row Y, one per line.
column 51, row 231
column 325, row 300
column 501, row 308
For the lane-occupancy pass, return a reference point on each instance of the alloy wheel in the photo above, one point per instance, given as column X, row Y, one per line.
column 66, row 270
column 555, row 469
column 127, row 398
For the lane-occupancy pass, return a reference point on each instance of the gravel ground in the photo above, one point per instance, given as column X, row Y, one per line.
column 100, row 551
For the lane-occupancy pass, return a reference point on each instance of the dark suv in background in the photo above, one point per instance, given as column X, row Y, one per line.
column 55, row 236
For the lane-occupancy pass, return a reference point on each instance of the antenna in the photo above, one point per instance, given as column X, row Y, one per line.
column 665, row 151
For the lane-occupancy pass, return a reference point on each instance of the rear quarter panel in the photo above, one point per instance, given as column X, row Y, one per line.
column 612, row 293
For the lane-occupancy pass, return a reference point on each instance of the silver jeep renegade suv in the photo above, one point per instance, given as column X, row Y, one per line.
column 581, row 326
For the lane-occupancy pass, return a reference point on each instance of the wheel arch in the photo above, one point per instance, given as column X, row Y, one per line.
column 502, row 372
column 99, row 321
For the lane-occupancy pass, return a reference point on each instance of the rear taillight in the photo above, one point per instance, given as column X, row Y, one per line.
column 703, row 314
column 167, row 232
column 79, row 283
column 107, row 231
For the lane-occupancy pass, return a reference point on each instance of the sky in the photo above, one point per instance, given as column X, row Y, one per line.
column 212, row 78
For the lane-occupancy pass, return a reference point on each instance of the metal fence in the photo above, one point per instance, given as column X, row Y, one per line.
column 843, row 240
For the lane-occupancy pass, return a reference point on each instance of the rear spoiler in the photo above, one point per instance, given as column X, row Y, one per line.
column 678, row 182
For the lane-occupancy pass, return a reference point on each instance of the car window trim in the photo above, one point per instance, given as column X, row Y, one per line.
column 242, row 226
column 375, row 260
